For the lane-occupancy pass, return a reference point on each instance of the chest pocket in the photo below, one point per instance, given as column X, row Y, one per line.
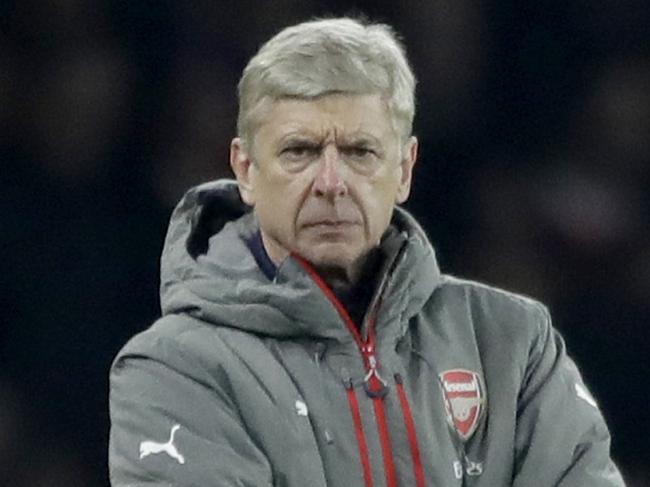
column 274, row 412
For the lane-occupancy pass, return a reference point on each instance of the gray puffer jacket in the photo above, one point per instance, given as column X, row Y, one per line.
column 251, row 382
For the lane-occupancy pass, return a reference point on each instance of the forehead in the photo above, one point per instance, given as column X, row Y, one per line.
column 330, row 116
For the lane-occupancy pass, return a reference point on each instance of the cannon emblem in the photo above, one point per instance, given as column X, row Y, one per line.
column 464, row 398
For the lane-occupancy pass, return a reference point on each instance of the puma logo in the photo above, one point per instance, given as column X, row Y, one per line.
column 151, row 447
column 301, row 408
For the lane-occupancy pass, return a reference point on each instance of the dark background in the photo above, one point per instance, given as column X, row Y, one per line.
column 534, row 122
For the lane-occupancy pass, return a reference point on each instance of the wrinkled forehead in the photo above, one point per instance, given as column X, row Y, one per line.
column 339, row 115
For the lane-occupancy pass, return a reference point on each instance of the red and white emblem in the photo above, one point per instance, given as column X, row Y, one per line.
column 464, row 400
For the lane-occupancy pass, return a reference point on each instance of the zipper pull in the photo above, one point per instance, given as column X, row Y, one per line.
column 374, row 385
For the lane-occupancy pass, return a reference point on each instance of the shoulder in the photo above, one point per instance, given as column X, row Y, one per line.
column 178, row 342
column 492, row 311
column 490, row 295
column 171, row 331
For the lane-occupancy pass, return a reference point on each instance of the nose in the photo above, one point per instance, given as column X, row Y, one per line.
column 329, row 181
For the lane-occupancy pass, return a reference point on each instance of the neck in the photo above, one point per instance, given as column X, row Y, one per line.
column 338, row 277
column 342, row 279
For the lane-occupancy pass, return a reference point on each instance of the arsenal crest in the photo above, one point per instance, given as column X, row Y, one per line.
column 464, row 400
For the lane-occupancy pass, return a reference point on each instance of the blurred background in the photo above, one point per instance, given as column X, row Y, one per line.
column 534, row 175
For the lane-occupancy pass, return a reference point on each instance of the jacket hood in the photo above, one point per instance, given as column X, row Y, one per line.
column 209, row 272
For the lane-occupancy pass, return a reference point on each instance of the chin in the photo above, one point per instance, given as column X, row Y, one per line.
column 332, row 256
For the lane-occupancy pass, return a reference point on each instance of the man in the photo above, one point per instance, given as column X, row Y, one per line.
column 308, row 337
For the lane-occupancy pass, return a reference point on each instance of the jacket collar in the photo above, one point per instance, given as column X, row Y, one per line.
column 208, row 271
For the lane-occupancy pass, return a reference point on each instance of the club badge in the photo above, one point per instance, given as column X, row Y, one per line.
column 464, row 400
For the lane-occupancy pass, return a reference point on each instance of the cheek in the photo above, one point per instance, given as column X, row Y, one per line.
column 277, row 206
column 379, row 202
column 381, row 213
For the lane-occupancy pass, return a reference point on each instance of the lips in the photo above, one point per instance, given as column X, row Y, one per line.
column 329, row 223
column 330, row 219
column 331, row 230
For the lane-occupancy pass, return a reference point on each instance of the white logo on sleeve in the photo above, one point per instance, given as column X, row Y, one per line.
column 151, row 447
column 301, row 408
column 584, row 395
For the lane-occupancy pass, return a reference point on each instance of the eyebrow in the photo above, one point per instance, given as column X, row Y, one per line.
column 299, row 137
column 357, row 138
column 360, row 137
column 363, row 140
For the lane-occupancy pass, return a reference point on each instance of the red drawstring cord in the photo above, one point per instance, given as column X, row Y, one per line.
column 384, row 437
column 418, row 469
column 361, row 437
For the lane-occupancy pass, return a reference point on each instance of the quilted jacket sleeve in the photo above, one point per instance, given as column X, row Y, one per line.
column 173, row 424
column 562, row 439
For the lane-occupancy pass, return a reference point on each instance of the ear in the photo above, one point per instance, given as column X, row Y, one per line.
column 242, row 165
column 409, row 157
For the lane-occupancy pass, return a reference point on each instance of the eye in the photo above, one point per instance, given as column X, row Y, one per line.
column 359, row 153
column 362, row 158
column 299, row 152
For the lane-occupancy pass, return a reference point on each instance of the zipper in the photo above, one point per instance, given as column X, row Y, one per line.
column 377, row 388
column 374, row 385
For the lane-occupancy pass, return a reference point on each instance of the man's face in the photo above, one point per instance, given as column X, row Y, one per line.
column 323, row 176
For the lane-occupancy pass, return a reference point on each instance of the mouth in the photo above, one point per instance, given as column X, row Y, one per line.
column 331, row 230
column 332, row 224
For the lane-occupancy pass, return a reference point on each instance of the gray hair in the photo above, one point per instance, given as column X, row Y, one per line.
column 330, row 56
